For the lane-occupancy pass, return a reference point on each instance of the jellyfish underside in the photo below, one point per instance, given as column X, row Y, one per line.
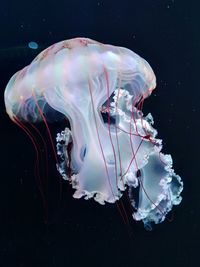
column 98, row 88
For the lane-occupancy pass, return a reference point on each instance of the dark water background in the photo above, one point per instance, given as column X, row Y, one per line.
column 84, row 233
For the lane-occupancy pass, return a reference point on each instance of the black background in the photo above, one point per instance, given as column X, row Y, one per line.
column 84, row 233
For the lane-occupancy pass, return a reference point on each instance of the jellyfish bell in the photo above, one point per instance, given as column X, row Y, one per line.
column 33, row 45
column 85, row 80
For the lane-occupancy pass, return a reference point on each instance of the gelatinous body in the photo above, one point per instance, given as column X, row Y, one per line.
column 33, row 45
column 100, row 89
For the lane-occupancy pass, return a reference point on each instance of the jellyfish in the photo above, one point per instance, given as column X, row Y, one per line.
column 110, row 147
column 33, row 45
